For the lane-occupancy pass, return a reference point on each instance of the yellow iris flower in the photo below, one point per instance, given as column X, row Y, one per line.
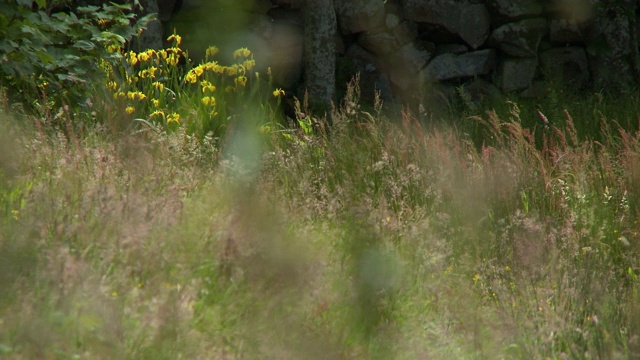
column 242, row 52
column 173, row 118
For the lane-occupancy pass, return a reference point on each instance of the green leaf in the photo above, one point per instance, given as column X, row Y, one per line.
column 88, row 9
column 113, row 36
column 44, row 57
column 85, row 45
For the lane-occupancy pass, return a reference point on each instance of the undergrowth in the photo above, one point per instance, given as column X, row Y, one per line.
column 153, row 208
column 367, row 238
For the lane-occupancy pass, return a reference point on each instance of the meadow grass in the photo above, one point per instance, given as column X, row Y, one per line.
column 513, row 234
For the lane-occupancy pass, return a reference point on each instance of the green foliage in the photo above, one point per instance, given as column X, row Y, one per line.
column 49, row 58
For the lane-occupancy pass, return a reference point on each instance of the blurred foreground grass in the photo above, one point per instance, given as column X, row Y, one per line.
column 381, row 239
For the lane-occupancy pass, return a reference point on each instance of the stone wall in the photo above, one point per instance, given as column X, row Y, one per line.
column 514, row 46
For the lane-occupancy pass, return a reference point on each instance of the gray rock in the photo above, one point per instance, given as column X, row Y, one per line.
column 405, row 65
column 391, row 21
column 356, row 16
column 611, row 45
column 519, row 39
column 565, row 31
column 451, row 66
column 152, row 37
column 577, row 10
column 568, row 64
column 293, row 17
column 361, row 58
column 451, row 49
column 478, row 91
column 165, row 9
column 515, row 74
column 293, row 4
column 320, row 35
column 514, row 9
column 371, row 78
column 383, row 42
column 465, row 18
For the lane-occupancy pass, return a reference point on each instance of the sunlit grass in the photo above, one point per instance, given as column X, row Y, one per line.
column 368, row 238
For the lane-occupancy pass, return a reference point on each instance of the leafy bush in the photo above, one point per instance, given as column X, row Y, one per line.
column 49, row 57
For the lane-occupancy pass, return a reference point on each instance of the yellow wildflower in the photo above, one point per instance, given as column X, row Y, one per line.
column 174, row 50
column 265, row 129
column 191, row 77
column 193, row 74
column 231, row 70
column 476, row 278
column 241, row 81
column 119, row 94
column 213, row 66
column 249, row 64
column 114, row 49
column 175, row 37
column 229, row 89
column 15, row 214
column 136, row 95
column 207, row 86
column 172, row 60
column 155, row 102
column 278, row 92
column 158, row 85
column 143, row 56
column 211, row 51
column 209, row 101
column 242, row 52
column 130, row 109
column 132, row 79
column 112, row 85
column 173, row 118
column 132, row 58
column 148, row 73
column 157, row 113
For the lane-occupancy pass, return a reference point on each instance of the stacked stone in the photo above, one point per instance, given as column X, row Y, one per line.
column 509, row 42
column 495, row 45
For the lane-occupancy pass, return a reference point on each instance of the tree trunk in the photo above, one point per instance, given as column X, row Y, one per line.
column 320, row 52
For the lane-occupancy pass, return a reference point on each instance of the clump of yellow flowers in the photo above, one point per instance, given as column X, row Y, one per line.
column 161, row 86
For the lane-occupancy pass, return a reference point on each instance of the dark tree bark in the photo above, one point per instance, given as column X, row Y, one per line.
column 320, row 52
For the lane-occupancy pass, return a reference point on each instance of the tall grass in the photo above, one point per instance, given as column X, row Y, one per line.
column 367, row 238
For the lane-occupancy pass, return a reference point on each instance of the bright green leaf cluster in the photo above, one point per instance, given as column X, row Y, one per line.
column 48, row 56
